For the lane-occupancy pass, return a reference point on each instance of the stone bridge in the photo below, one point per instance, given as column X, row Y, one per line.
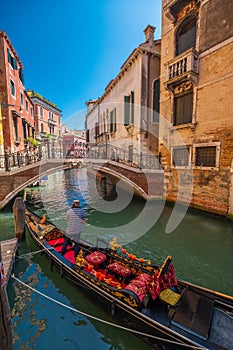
column 12, row 182
column 147, row 183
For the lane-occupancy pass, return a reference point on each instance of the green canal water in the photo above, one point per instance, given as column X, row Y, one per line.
column 201, row 247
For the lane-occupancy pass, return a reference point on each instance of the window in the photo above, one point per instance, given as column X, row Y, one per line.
column 67, row 142
column 15, row 127
column 28, row 129
column 12, row 87
column 12, row 60
column 186, row 35
column 156, row 97
column 205, row 156
column 183, row 108
column 24, row 130
column 41, row 127
column 88, row 135
column 129, row 109
column 180, row 156
column 31, row 111
column 27, row 105
column 97, row 128
column 21, row 76
column 113, row 120
column 21, row 99
column 41, row 112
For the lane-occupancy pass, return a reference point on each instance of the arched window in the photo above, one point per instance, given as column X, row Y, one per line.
column 186, row 35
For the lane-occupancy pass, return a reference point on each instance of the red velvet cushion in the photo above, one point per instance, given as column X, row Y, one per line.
column 119, row 269
column 95, row 258
column 144, row 277
column 139, row 285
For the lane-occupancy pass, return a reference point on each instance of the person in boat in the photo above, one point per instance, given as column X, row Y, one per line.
column 75, row 218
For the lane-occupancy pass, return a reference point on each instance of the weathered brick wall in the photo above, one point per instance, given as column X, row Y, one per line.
column 216, row 23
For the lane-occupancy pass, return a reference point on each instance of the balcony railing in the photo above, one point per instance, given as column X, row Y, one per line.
column 51, row 122
column 184, row 64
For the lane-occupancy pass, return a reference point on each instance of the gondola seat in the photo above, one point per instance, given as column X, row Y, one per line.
column 96, row 258
column 138, row 285
column 119, row 270
column 169, row 297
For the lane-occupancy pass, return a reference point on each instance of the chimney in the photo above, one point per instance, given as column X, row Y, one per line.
column 149, row 33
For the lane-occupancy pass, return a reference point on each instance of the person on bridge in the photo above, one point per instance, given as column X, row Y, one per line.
column 75, row 218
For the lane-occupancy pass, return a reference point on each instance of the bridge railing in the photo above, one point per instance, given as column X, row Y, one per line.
column 14, row 160
column 106, row 151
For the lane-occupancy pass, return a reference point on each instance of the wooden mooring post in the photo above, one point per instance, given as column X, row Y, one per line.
column 19, row 217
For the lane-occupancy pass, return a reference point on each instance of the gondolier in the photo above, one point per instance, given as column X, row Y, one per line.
column 75, row 219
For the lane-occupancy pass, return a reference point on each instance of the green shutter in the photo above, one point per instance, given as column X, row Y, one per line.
column 9, row 56
column 21, row 76
column 156, row 98
column 111, row 121
column 14, row 63
column 132, row 107
column 126, row 110
column 114, row 119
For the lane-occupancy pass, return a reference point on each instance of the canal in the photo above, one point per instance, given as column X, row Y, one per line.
column 201, row 247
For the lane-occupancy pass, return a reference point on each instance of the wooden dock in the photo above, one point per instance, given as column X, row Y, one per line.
column 8, row 250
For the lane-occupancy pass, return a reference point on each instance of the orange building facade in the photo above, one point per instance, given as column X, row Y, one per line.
column 17, row 114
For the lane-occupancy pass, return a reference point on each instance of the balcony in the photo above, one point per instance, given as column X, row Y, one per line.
column 183, row 67
column 176, row 8
column 51, row 122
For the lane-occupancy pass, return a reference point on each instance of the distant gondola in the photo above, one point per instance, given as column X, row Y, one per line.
column 168, row 313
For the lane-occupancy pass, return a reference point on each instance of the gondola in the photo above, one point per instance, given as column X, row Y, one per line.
column 147, row 298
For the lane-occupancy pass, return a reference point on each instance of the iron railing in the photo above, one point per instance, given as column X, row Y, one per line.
column 140, row 160
column 14, row 160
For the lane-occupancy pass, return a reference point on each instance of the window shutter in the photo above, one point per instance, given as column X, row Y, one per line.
column 126, row 110
column 111, row 121
column 156, row 98
column 183, row 109
column 14, row 62
column 132, row 107
column 114, row 119
column 21, row 76
column 9, row 56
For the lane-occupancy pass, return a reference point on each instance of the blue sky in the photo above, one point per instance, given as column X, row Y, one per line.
column 72, row 49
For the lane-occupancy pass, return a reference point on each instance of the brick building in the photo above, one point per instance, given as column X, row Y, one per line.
column 16, row 115
column 196, row 102
column 123, row 116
